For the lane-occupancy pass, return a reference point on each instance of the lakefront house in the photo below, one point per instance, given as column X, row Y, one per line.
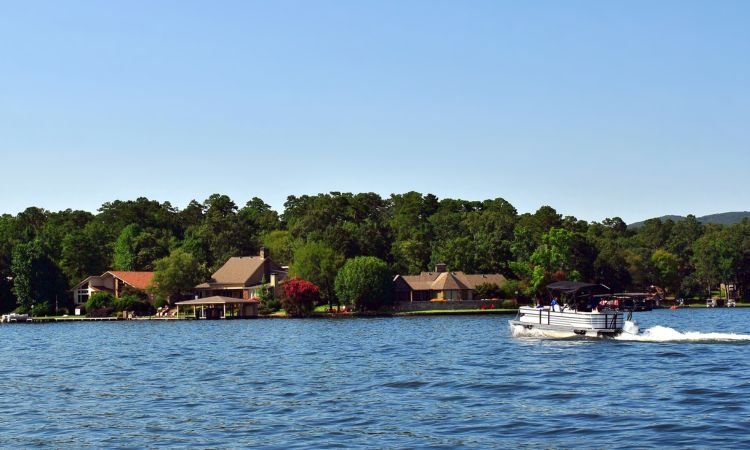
column 441, row 285
column 243, row 277
column 113, row 281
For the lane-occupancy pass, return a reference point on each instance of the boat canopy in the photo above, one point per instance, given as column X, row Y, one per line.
column 572, row 287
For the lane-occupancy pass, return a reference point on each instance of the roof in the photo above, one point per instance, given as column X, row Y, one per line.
column 139, row 280
column 571, row 287
column 448, row 281
column 240, row 271
column 217, row 300
column 77, row 286
column 441, row 281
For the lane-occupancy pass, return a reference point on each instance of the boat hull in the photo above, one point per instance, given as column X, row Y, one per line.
column 606, row 323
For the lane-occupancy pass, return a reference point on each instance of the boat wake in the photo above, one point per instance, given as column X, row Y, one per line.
column 666, row 334
column 519, row 331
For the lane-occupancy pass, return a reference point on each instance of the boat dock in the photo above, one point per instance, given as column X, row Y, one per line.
column 64, row 319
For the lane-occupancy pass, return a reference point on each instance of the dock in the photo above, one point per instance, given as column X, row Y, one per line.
column 70, row 319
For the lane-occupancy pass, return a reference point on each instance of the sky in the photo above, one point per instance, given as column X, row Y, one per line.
column 631, row 109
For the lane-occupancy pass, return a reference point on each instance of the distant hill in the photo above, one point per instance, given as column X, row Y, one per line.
column 727, row 218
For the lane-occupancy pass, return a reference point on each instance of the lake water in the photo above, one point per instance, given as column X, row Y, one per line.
column 419, row 382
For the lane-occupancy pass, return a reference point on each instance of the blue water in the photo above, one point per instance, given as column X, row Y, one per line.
column 420, row 382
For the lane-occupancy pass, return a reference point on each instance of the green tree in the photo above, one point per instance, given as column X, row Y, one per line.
column 458, row 253
column 319, row 264
column 717, row 255
column 100, row 304
column 177, row 273
column 411, row 230
column 81, row 256
column 126, row 252
column 552, row 259
column 258, row 217
column 224, row 233
column 365, row 282
column 269, row 304
column 666, row 268
column 279, row 243
column 488, row 290
column 36, row 277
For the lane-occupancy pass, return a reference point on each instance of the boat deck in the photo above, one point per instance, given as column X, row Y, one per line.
column 579, row 322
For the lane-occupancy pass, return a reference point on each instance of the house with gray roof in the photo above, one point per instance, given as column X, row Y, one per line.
column 441, row 285
column 243, row 277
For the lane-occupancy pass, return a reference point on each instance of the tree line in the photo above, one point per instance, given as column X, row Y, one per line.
column 44, row 253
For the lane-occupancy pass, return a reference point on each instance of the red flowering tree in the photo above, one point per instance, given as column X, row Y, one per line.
column 300, row 297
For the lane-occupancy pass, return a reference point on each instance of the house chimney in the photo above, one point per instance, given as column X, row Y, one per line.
column 440, row 267
column 265, row 253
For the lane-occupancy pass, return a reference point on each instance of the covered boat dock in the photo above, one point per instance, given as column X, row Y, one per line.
column 218, row 307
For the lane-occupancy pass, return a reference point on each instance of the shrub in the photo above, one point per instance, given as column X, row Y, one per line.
column 41, row 309
column 160, row 301
column 100, row 300
column 100, row 312
column 488, row 290
column 511, row 289
column 269, row 304
column 300, row 297
column 509, row 304
column 134, row 304
column 129, row 291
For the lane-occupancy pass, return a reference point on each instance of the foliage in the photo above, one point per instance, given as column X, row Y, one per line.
column 300, row 297
column 160, row 302
column 133, row 303
column 717, row 256
column 99, row 300
column 509, row 304
column 43, row 253
column 37, row 278
column 42, row 309
column 317, row 262
column 179, row 272
column 279, row 243
column 365, row 282
column 125, row 251
column 269, row 304
column 666, row 269
column 137, row 249
column 488, row 290
column 100, row 304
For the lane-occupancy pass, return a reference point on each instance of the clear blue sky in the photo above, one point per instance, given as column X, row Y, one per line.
column 597, row 108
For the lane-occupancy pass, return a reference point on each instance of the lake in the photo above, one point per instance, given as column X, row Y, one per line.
column 416, row 382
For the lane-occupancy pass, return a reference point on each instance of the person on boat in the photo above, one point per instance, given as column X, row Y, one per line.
column 538, row 304
column 554, row 305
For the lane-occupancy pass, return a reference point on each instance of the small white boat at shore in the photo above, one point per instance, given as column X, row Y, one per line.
column 13, row 317
column 580, row 315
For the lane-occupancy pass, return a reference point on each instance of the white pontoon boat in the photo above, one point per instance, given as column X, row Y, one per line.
column 580, row 315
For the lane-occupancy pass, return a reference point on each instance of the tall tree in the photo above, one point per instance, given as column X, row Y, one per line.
column 81, row 257
column 717, row 255
column 365, row 282
column 319, row 264
column 37, row 280
column 126, row 251
column 177, row 273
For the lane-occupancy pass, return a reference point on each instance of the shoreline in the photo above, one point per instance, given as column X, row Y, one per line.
column 347, row 315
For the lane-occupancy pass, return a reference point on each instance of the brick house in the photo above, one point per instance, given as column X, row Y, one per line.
column 243, row 277
column 442, row 285
column 112, row 281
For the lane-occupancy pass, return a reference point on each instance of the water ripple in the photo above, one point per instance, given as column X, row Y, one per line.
column 429, row 382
